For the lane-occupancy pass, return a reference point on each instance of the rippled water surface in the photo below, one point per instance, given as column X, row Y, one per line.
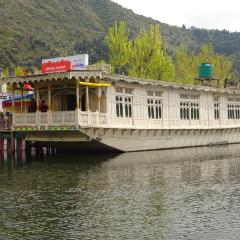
column 174, row 194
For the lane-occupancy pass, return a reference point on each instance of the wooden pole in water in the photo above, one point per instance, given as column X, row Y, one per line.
column 2, row 146
column 12, row 144
column 28, row 150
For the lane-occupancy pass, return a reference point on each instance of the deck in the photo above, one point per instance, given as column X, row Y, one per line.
column 59, row 119
column 73, row 120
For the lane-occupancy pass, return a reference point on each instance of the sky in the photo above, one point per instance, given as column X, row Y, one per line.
column 209, row 14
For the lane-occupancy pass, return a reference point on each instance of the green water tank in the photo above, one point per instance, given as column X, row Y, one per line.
column 205, row 70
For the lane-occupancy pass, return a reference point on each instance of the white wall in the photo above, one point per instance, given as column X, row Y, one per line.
column 170, row 111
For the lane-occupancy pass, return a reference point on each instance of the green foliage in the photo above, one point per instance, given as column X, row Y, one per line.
column 144, row 57
column 120, row 46
column 187, row 64
column 32, row 30
column 184, row 68
column 148, row 57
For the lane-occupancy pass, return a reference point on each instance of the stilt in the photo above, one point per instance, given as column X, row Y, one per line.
column 28, row 150
column 19, row 148
column 12, row 145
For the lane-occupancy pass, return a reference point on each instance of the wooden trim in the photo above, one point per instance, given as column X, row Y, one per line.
column 89, row 84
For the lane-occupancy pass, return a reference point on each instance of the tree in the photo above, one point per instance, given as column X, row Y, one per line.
column 144, row 57
column 184, row 70
column 186, row 64
column 149, row 58
column 119, row 46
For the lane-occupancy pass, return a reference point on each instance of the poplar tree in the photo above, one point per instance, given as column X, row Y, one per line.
column 149, row 58
column 144, row 57
column 186, row 64
column 119, row 47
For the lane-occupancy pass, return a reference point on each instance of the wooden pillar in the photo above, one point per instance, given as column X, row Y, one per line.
column 25, row 105
column 49, row 96
column 13, row 98
column 99, row 99
column 77, row 94
column 2, row 92
column 87, row 99
column 37, row 96
column 21, row 98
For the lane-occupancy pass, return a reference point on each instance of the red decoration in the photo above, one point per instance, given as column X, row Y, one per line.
column 27, row 86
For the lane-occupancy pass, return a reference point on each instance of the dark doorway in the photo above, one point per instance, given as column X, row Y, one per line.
column 71, row 102
column 83, row 103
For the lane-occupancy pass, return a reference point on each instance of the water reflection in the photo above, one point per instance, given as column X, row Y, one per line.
column 173, row 194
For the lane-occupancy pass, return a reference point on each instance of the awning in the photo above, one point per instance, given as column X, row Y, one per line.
column 17, row 100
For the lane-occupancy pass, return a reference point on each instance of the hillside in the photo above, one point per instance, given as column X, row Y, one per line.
column 31, row 30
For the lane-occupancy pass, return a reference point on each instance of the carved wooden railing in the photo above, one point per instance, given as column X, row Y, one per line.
column 59, row 119
column 5, row 121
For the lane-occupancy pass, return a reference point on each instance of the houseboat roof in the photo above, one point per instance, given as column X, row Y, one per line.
column 166, row 84
column 114, row 79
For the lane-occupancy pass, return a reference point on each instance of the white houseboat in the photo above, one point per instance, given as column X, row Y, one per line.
column 94, row 110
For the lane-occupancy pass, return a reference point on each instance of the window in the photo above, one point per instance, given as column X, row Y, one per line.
column 233, row 110
column 154, row 103
column 230, row 111
column 184, row 110
column 216, row 110
column 128, row 106
column 194, row 111
column 124, row 102
column 119, row 106
column 237, row 111
column 154, row 108
column 189, row 107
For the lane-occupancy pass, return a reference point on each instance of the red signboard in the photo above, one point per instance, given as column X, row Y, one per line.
column 64, row 64
column 61, row 66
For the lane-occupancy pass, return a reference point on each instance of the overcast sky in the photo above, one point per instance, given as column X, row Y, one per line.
column 210, row 14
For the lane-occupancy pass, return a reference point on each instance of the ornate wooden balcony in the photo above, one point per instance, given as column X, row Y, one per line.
column 58, row 120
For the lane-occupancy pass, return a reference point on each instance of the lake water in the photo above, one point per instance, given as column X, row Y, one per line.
column 174, row 194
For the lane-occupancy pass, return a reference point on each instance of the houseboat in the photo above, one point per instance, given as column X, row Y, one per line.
column 91, row 109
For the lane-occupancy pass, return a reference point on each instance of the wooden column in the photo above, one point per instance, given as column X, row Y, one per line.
column 87, row 99
column 25, row 105
column 13, row 98
column 99, row 99
column 21, row 98
column 37, row 95
column 2, row 91
column 49, row 96
column 77, row 94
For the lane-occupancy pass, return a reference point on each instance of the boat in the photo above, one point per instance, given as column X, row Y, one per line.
column 93, row 110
